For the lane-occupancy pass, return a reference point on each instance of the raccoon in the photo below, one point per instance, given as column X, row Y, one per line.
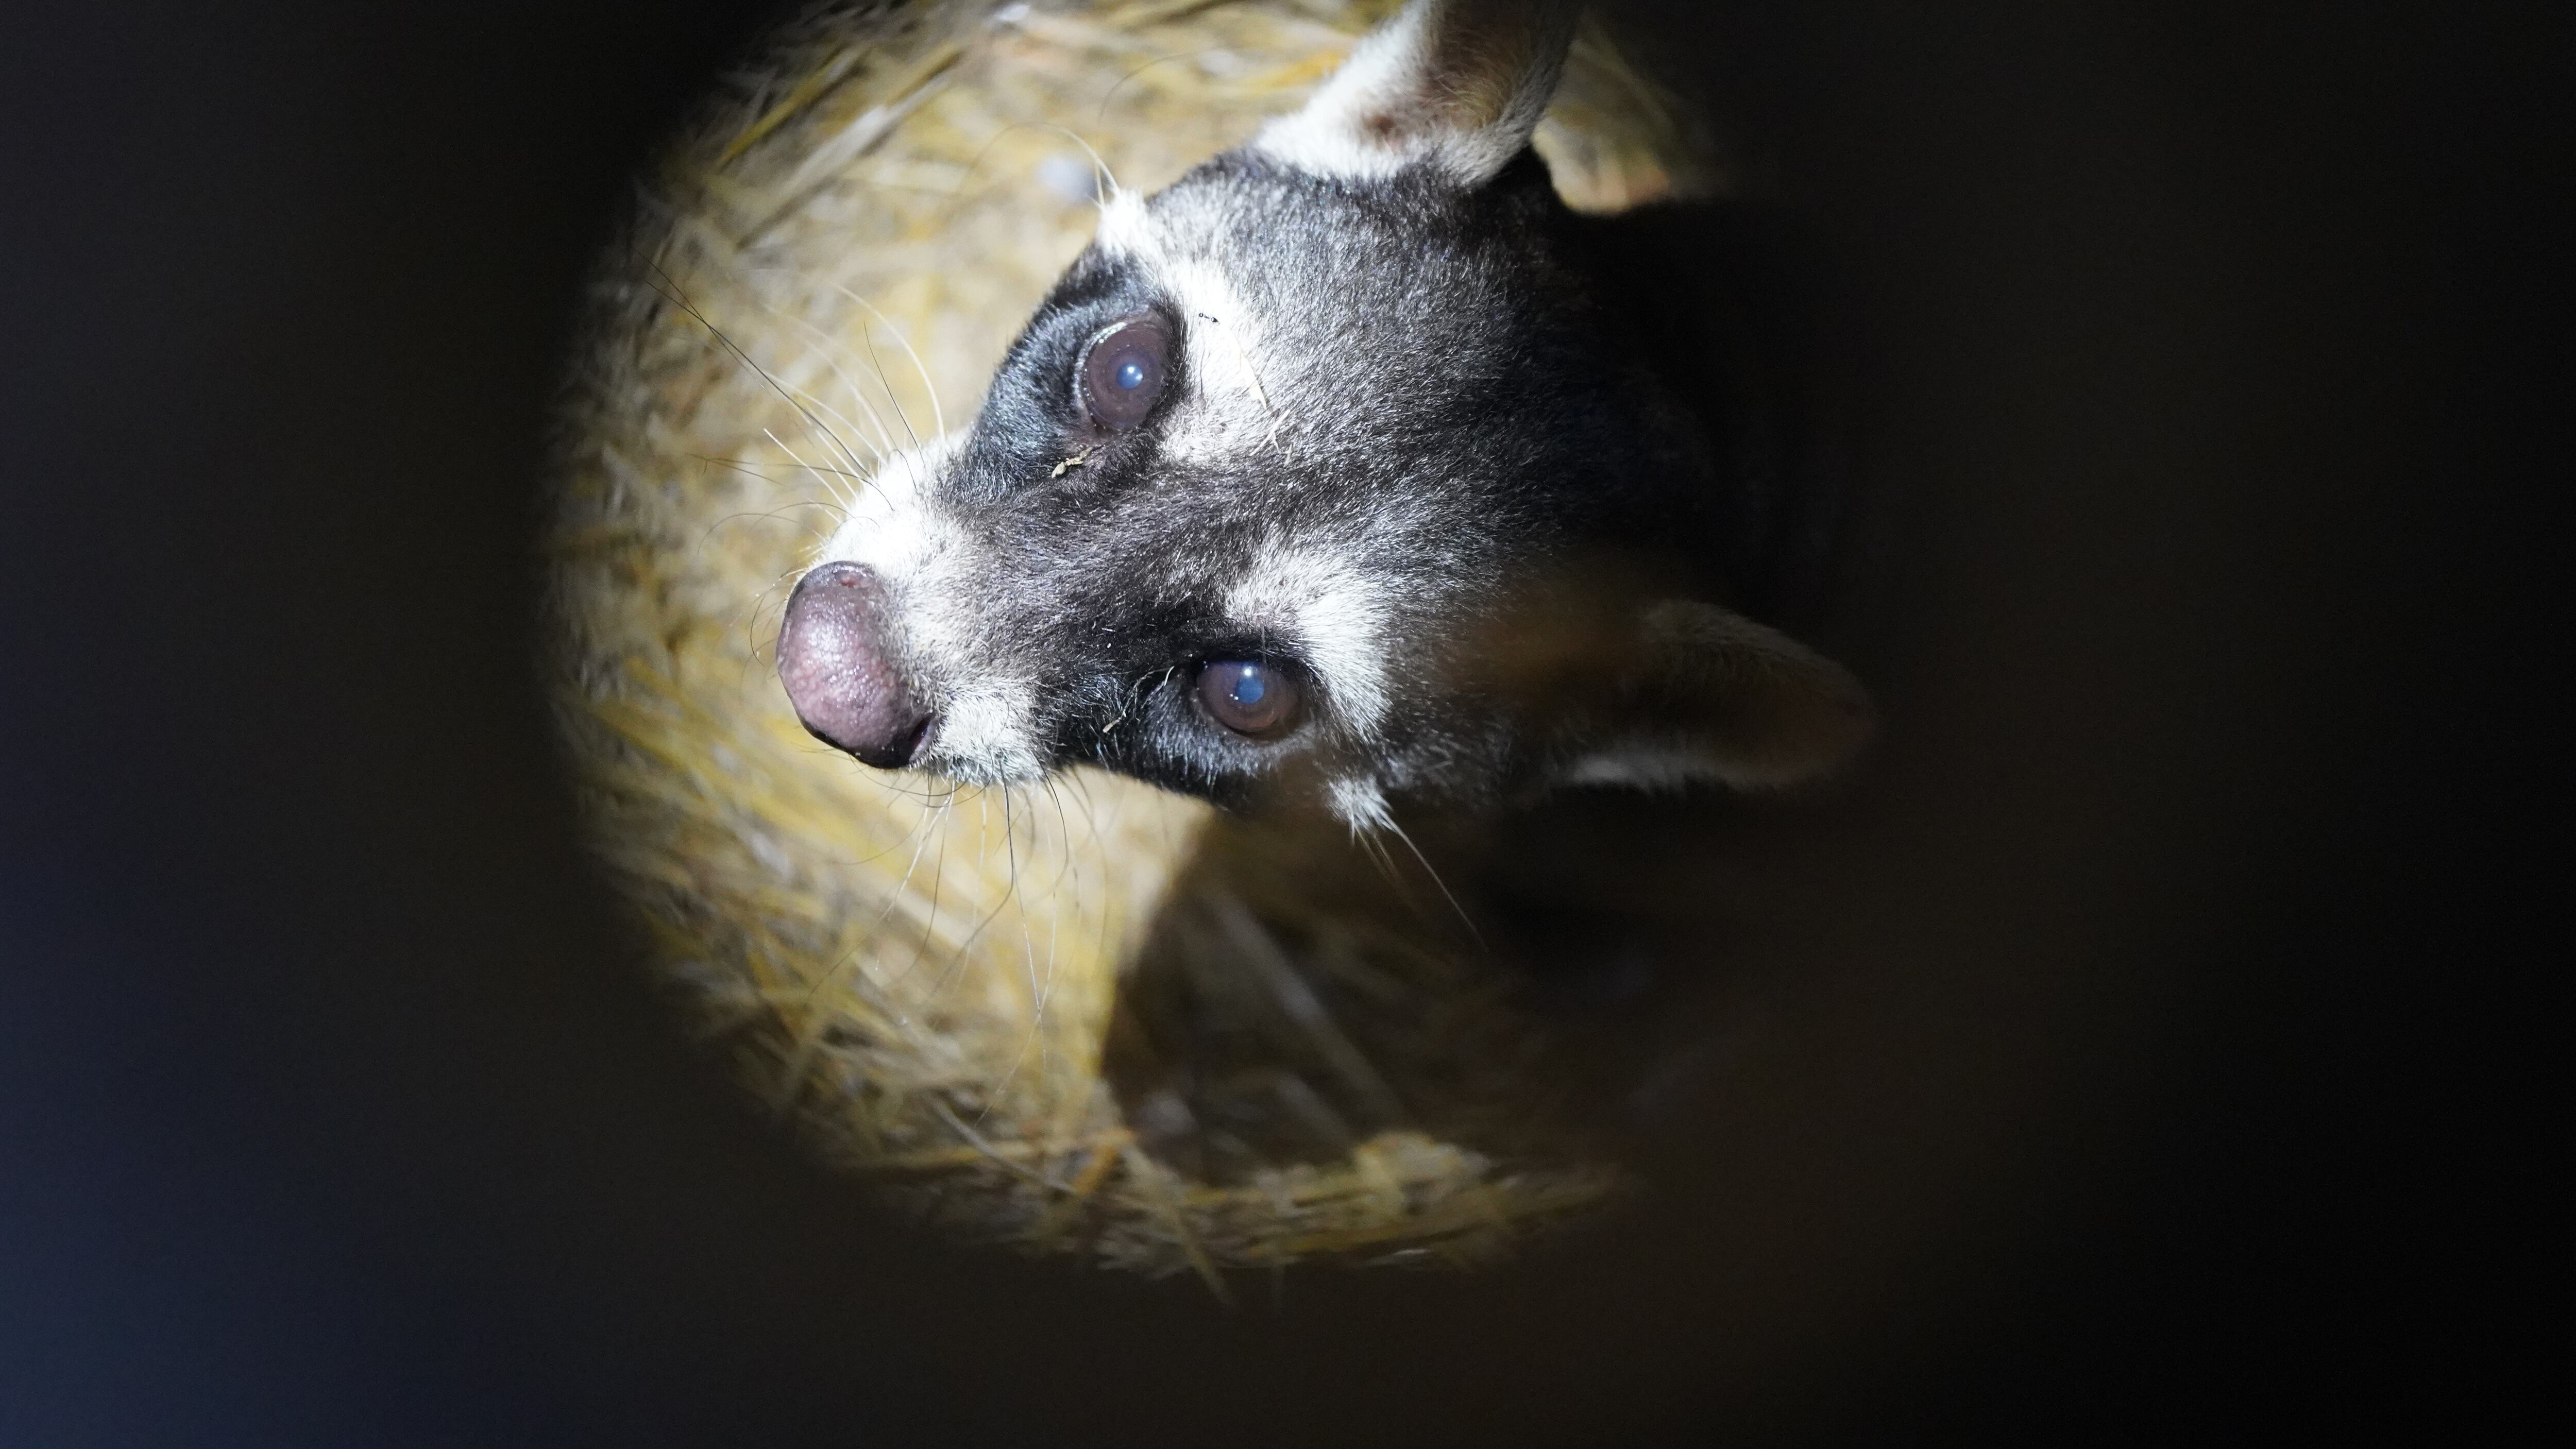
column 1348, row 472
column 1237, row 697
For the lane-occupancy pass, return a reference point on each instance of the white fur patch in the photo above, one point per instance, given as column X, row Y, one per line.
column 1666, row 768
column 1125, row 232
column 1325, row 137
column 1360, row 803
column 926, row 561
column 983, row 733
column 1644, row 767
column 1336, row 611
column 1331, row 135
column 1228, row 410
column 891, row 527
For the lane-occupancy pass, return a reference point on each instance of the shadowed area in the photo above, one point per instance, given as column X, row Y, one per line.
column 2115, row 1060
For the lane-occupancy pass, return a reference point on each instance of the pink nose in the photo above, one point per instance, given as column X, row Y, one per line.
column 832, row 656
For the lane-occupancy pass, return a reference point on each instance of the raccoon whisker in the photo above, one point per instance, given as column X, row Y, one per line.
column 832, row 345
column 750, row 616
column 670, row 292
column 1055, row 936
column 743, row 466
column 1011, row 847
column 838, row 510
column 752, row 470
column 810, row 1034
column 1101, row 115
column 1427, row 869
column 996, row 139
column 983, row 828
column 1069, row 134
column 861, row 472
column 1067, row 863
column 923, row 796
column 883, row 445
column 956, row 954
column 773, row 514
column 934, row 802
column 1081, row 788
column 860, row 467
column 965, row 943
column 980, row 928
column 938, row 417
column 868, row 336
column 1108, row 906
column 918, row 828
column 1064, row 835
column 1028, row 953
column 930, row 918
column 1080, row 894
column 957, row 192
column 1366, row 839
column 781, row 446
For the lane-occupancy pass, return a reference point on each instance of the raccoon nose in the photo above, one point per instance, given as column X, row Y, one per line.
column 839, row 672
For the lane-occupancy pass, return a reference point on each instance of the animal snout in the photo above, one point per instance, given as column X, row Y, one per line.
column 840, row 670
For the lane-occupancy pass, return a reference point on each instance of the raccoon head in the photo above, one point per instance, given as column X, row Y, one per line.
column 1322, row 474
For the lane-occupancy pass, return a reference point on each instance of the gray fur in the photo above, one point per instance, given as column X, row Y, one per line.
column 1415, row 447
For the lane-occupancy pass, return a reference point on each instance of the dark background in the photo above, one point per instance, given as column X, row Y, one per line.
column 332, row 1112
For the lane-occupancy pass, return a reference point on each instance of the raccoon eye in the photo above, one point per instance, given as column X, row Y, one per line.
column 1248, row 696
column 1124, row 372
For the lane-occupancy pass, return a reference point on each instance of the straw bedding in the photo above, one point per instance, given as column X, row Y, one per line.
column 1088, row 1018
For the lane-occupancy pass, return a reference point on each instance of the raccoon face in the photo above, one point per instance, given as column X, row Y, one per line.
column 1321, row 475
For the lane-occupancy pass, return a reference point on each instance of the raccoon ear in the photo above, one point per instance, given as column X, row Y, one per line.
column 1456, row 83
column 1711, row 695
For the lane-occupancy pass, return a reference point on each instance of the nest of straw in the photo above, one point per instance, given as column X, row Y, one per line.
column 1089, row 1018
